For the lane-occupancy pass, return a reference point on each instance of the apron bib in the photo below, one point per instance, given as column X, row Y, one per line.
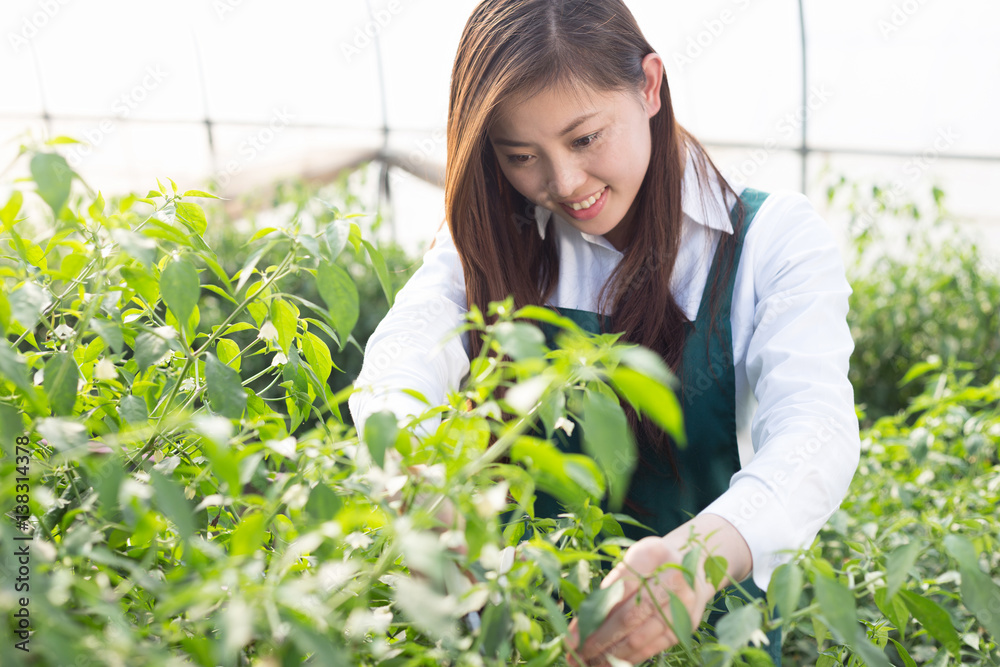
column 708, row 399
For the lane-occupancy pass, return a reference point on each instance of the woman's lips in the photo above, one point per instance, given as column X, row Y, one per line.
column 588, row 213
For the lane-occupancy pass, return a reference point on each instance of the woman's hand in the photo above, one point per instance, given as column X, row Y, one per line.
column 636, row 629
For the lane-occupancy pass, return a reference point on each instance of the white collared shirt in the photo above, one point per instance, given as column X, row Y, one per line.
column 795, row 417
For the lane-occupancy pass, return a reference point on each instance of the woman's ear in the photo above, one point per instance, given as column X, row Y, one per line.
column 652, row 65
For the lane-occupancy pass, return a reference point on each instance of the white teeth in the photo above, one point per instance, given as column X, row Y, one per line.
column 590, row 202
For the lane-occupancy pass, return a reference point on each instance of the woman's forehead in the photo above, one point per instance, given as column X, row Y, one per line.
column 554, row 107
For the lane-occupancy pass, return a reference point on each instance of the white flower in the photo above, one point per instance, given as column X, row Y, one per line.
column 105, row 370
column 758, row 637
column 358, row 540
column 565, row 425
column 279, row 359
column 493, row 501
column 63, row 332
column 285, row 447
column 268, row 332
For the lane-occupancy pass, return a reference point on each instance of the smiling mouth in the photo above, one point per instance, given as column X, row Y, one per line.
column 586, row 203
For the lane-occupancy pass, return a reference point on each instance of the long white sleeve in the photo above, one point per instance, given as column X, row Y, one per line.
column 411, row 347
column 805, row 429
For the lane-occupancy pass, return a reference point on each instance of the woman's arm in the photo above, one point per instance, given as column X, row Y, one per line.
column 805, row 429
column 411, row 347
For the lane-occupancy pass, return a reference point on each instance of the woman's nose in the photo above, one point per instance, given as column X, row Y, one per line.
column 566, row 180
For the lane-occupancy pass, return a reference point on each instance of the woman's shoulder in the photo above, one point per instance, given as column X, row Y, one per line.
column 788, row 231
column 785, row 212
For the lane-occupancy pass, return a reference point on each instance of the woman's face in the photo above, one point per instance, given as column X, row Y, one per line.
column 557, row 149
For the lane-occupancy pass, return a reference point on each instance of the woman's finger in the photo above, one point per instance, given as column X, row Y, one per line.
column 646, row 607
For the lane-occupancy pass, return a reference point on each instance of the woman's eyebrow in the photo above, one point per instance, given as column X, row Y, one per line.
column 569, row 128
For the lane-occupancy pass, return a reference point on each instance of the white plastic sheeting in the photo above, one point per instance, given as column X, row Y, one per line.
column 902, row 91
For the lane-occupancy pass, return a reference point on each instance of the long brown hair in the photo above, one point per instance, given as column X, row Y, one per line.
column 511, row 50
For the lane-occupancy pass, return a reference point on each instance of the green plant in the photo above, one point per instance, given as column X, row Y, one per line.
column 178, row 516
column 922, row 289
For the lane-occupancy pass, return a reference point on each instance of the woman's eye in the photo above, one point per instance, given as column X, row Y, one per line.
column 516, row 159
column 589, row 139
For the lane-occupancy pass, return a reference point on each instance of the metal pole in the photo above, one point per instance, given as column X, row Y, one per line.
column 804, row 148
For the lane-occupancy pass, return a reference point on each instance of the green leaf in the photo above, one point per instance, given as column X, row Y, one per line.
column 979, row 592
column 61, row 375
column 71, row 266
column 27, row 303
column 735, row 628
column 261, row 233
column 96, row 209
column 894, row 609
column 681, row 620
column 109, row 332
column 520, row 340
column 133, row 410
column 935, row 620
column 907, row 660
column 651, row 398
column 192, row 216
column 136, row 245
column 225, row 391
column 248, row 535
column 898, row 565
column 246, row 272
column 5, row 313
column 11, row 426
column 229, row 353
column 8, row 214
column 785, row 589
column 149, row 348
column 171, row 501
column 323, row 503
column 341, row 296
column 14, row 368
column 608, row 439
column 334, row 239
column 918, row 370
column 142, row 282
column 837, row 604
column 596, row 607
column 540, row 314
column 381, row 270
column 648, row 363
column 181, row 289
column 381, row 430
column 285, row 319
column 496, row 629
column 570, row 478
column 318, row 355
column 53, row 177
column 871, row 654
column 63, row 435
column 200, row 193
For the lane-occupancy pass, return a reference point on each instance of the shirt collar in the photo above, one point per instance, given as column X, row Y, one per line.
column 713, row 213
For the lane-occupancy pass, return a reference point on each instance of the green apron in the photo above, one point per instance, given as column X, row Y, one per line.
column 708, row 398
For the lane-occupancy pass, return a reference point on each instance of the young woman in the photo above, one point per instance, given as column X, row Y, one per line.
column 570, row 184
